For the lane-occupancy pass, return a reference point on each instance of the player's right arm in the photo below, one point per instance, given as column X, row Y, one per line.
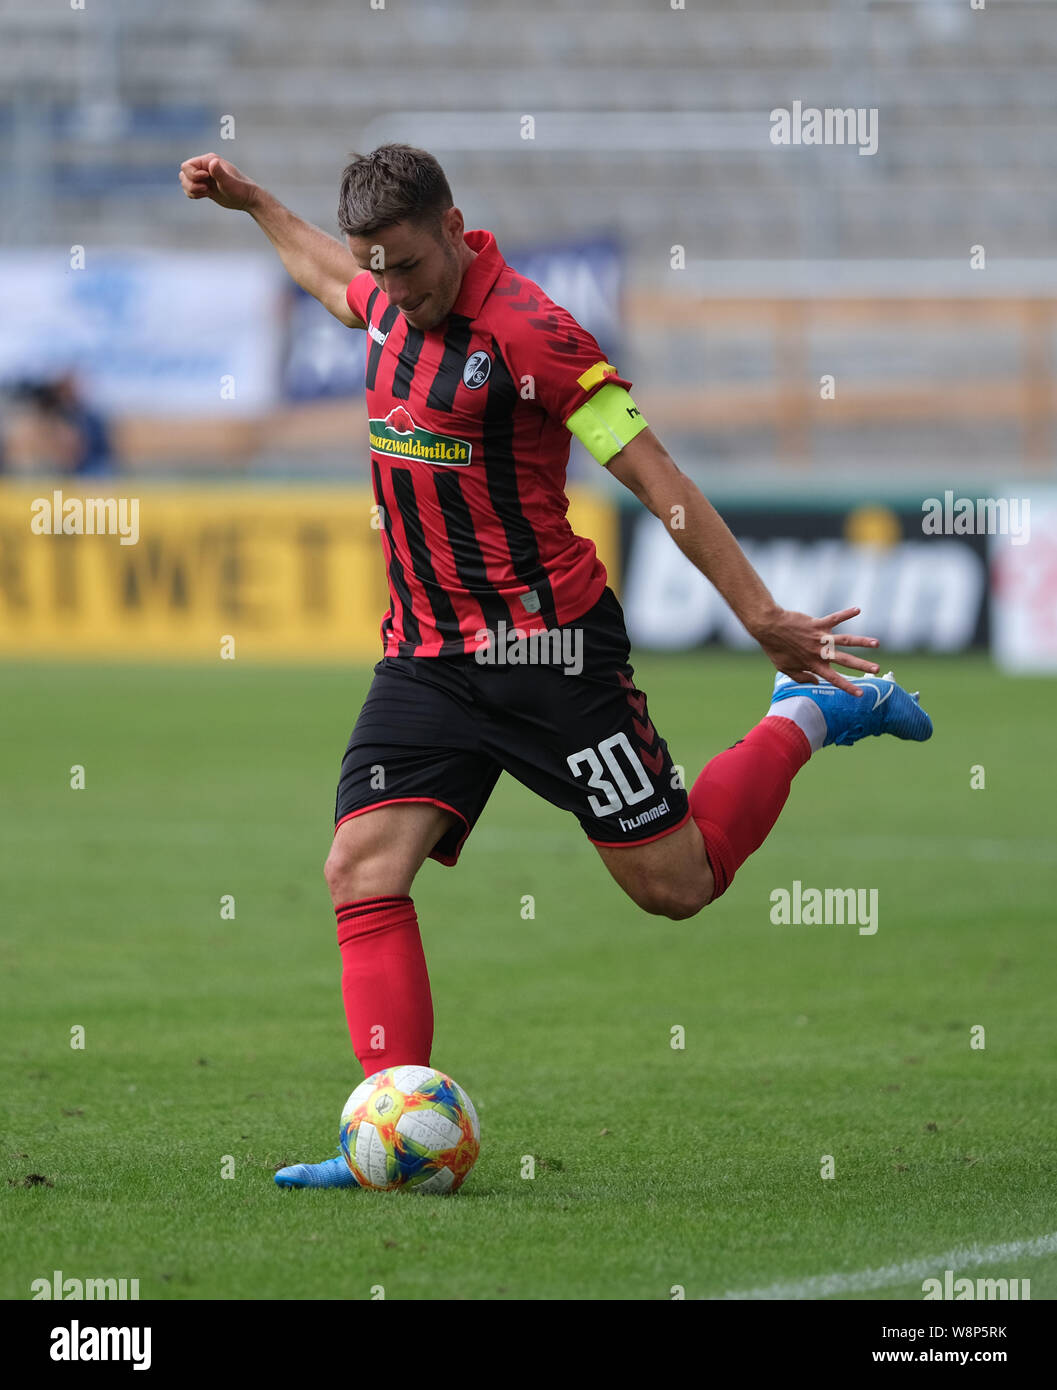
column 319, row 263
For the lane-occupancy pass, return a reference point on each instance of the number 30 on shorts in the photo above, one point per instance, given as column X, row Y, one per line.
column 589, row 758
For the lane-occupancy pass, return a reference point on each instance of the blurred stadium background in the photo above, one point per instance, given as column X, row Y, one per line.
column 157, row 343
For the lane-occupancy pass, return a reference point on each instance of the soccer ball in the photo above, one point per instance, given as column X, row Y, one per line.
column 410, row 1127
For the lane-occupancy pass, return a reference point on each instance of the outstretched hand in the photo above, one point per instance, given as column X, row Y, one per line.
column 804, row 648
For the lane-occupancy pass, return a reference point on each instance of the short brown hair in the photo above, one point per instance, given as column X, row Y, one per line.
column 394, row 183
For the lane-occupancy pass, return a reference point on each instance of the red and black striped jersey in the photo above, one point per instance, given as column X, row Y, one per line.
column 469, row 452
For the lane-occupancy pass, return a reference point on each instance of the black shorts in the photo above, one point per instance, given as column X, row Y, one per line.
column 565, row 719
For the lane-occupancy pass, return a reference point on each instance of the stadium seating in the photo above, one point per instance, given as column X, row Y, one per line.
column 630, row 103
column 961, row 104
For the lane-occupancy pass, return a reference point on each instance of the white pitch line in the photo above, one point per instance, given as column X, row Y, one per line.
column 932, row 1266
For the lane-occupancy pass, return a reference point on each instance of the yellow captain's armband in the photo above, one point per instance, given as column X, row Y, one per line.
column 608, row 421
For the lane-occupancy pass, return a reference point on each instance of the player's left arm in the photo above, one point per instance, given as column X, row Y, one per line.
column 799, row 645
column 577, row 386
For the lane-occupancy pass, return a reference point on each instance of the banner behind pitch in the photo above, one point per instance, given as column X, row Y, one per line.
column 149, row 333
column 915, row 591
column 288, row 573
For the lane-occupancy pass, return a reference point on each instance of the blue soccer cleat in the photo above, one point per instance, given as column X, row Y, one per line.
column 883, row 708
column 332, row 1172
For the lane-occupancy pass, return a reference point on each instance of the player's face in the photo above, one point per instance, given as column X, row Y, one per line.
column 420, row 269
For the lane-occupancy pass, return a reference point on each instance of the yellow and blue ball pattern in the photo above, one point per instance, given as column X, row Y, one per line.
column 410, row 1127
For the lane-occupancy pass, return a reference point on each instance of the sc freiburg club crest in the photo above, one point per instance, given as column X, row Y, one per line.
column 477, row 369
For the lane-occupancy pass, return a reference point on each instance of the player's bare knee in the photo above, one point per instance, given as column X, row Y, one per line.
column 684, row 905
column 352, row 874
column 676, row 901
column 688, row 907
column 334, row 869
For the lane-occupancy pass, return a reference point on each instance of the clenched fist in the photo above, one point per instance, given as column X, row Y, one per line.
column 209, row 176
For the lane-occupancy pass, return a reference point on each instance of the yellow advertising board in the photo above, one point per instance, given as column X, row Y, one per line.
column 175, row 572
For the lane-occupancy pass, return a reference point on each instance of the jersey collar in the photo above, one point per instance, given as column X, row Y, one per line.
column 481, row 274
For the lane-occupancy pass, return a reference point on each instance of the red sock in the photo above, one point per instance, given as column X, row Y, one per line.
column 384, row 983
column 737, row 798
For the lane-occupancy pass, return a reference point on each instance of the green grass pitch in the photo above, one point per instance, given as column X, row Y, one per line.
column 655, row 1166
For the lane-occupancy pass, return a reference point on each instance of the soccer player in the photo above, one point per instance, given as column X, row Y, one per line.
column 503, row 647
